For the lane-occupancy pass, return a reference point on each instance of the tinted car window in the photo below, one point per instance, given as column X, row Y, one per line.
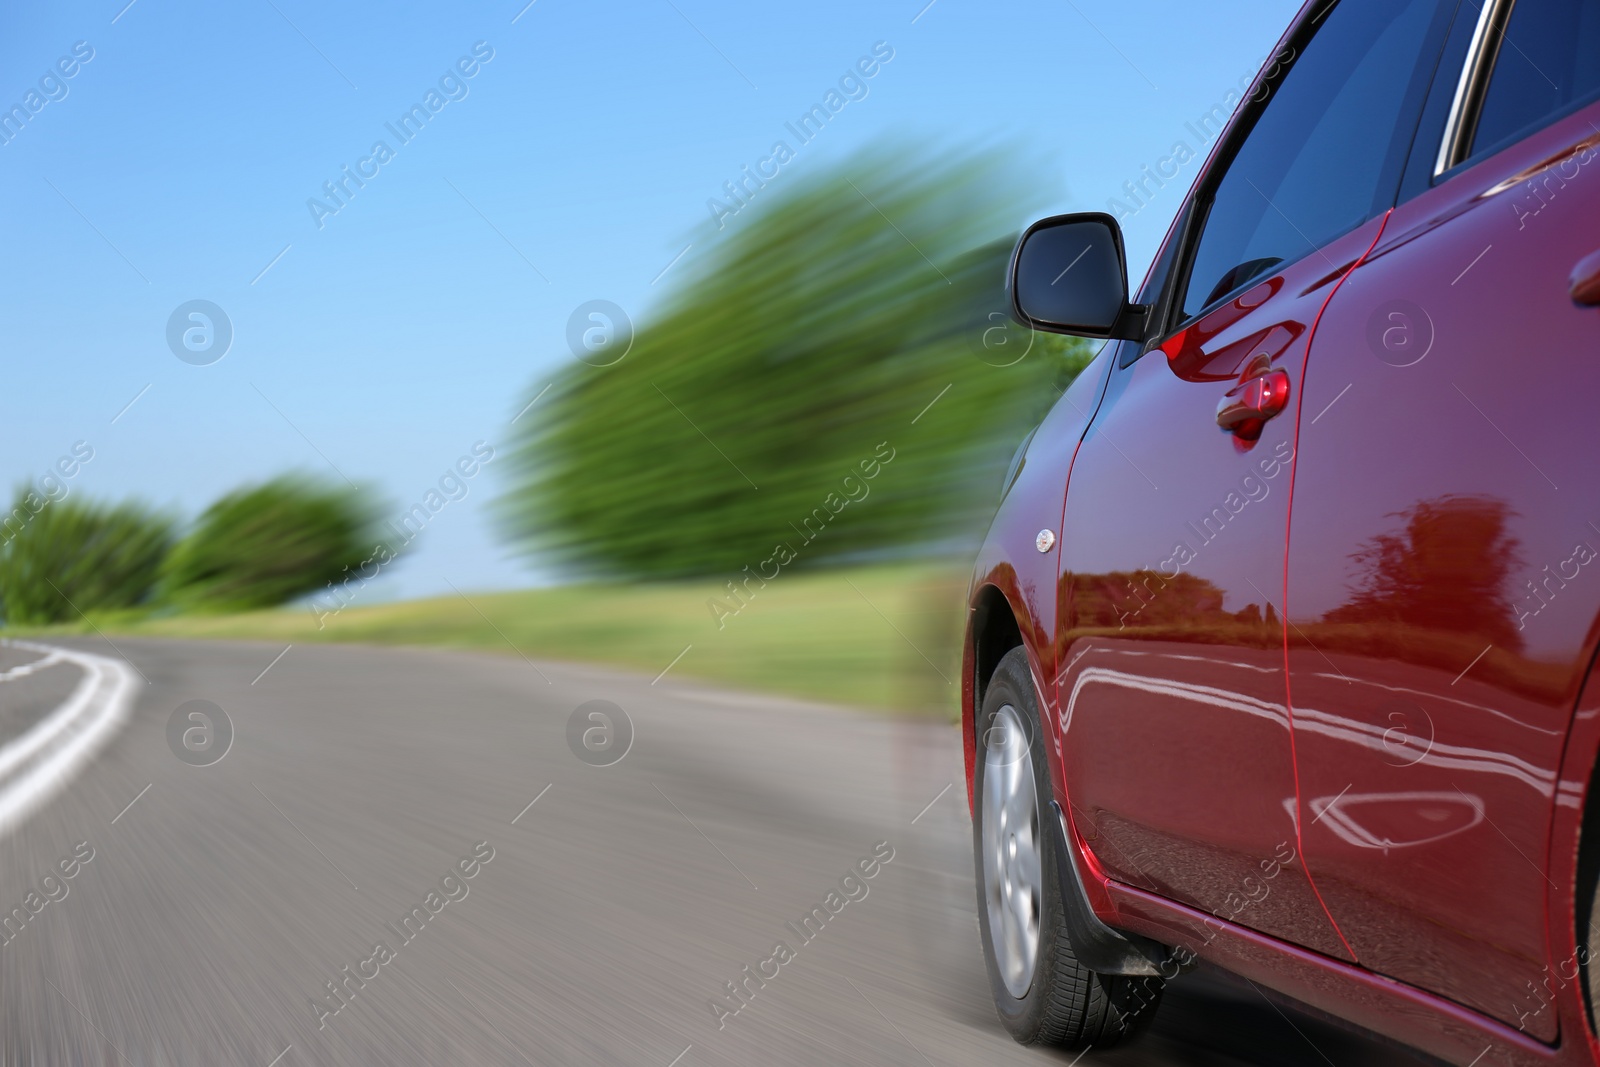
column 1325, row 145
column 1155, row 286
column 1548, row 60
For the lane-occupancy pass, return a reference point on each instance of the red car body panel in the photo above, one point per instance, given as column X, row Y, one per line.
column 1431, row 1024
column 1432, row 803
column 1442, row 731
column 1172, row 555
column 1010, row 561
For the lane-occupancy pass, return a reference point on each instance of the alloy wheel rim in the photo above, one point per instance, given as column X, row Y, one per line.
column 1012, row 882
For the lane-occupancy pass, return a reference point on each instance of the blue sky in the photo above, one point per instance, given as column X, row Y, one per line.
column 177, row 163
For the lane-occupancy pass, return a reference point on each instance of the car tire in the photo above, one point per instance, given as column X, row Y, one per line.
column 1043, row 994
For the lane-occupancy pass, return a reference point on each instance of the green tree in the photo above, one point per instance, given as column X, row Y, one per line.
column 64, row 557
column 814, row 333
column 267, row 544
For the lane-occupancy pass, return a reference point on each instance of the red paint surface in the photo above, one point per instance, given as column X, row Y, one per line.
column 1417, row 734
column 1433, row 688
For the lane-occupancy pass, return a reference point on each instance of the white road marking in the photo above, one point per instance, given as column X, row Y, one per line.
column 36, row 766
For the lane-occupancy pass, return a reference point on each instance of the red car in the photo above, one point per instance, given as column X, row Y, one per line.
column 1280, row 647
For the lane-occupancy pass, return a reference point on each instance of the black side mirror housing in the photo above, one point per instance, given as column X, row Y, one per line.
column 1069, row 275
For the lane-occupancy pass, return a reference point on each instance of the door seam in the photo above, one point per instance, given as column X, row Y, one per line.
column 1288, row 690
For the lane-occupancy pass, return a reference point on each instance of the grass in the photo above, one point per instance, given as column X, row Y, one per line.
column 874, row 637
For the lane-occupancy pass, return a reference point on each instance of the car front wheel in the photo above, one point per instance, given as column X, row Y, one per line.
column 1043, row 994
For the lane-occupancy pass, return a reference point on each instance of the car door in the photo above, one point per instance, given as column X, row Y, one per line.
column 1444, row 561
column 1176, row 747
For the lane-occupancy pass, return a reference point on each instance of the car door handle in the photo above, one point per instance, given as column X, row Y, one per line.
column 1257, row 398
column 1586, row 281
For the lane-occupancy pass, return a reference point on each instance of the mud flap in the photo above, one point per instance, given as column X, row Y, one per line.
column 1096, row 945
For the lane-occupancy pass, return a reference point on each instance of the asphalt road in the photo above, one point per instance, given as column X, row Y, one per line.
column 220, row 899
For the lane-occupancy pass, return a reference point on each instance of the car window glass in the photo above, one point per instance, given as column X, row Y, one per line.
column 1312, row 167
column 1154, row 285
column 1548, row 60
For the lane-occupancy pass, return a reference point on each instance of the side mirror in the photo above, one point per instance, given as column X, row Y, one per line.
column 1069, row 275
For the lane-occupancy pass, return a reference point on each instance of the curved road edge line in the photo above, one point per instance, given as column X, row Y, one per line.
column 39, row 763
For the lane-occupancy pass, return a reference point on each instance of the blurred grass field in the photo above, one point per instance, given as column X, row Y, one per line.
column 882, row 638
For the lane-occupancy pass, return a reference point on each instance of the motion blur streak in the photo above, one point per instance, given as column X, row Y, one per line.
column 202, row 873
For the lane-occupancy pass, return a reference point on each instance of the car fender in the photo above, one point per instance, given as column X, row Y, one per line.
column 1010, row 563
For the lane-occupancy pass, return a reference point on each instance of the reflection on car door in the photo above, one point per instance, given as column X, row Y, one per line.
column 1444, row 561
column 1177, row 748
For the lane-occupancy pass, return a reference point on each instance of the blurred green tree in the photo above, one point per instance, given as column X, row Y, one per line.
column 825, row 323
column 64, row 557
column 267, row 544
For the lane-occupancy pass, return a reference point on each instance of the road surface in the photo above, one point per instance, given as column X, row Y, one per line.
column 227, row 910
